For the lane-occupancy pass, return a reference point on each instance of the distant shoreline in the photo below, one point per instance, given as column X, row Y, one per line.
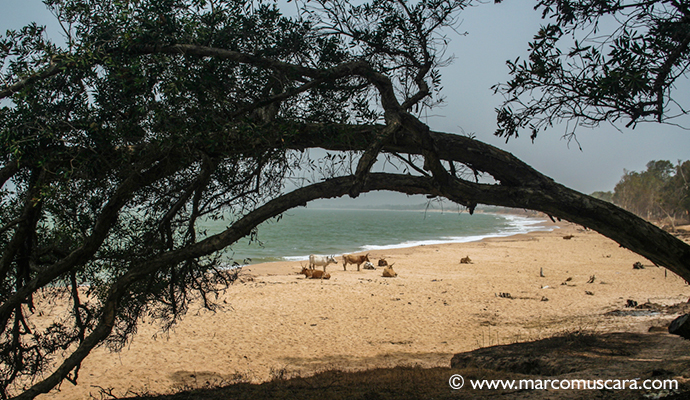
column 452, row 208
column 545, row 225
column 329, row 231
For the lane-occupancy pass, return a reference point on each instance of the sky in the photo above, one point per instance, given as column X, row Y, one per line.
column 496, row 33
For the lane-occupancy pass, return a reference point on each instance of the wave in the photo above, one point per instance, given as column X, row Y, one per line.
column 515, row 225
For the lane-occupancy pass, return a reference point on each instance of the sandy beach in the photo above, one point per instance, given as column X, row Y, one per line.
column 275, row 321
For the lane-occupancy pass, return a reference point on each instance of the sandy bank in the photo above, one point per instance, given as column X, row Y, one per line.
column 275, row 320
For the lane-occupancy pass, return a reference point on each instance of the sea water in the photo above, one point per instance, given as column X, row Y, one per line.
column 303, row 231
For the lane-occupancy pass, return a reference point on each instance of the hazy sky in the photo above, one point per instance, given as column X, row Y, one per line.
column 497, row 33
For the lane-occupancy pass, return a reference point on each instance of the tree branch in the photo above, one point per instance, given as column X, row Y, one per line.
column 102, row 226
column 556, row 200
column 7, row 171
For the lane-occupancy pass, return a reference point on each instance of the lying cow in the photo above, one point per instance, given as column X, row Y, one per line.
column 307, row 272
column 350, row 259
column 314, row 273
column 368, row 265
column 388, row 272
column 383, row 262
column 318, row 261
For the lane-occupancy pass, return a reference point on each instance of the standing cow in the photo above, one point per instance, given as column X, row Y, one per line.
column 317, row 261
column 350, row 259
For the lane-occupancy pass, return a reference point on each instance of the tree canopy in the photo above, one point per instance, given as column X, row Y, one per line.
column 600, row 61
column 157, row 113
column 662, row 192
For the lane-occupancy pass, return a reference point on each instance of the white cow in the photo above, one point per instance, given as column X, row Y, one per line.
column 368, row 265
column 317, row 261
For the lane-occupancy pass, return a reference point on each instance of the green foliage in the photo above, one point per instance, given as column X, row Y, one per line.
column 585, row 70
column 156, row 114
column 660, row 192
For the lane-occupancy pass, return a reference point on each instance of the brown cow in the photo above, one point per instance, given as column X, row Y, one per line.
column 383, row 262
column 307, row 272
column 350, row 259
column 318, row 274
column 388, row 272
column 314, row 274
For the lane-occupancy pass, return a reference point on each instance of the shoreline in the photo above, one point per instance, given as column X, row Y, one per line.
column 516, row 224
column 287, row 267
column 274, row 320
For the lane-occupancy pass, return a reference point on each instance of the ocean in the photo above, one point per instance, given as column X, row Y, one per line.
column 303, row 231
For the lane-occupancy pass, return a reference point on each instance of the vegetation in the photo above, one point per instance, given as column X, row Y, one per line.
column 600, row 61
column 660, row 193
column 156, row 113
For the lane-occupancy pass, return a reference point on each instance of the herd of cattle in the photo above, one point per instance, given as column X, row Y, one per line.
column 324, row 261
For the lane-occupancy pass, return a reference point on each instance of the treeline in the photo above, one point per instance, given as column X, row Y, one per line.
column 661, row 193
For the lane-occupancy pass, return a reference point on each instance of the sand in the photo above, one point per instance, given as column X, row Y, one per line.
column 276, row 323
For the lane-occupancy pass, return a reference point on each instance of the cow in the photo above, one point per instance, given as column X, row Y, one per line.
column 350, row 259
column 388, row 272
column 317, row 261
column 314, row 274
column 368, row 265
column 306, row 272
column 383, row 262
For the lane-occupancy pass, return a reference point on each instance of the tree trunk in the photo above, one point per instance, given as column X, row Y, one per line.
column 521, row 186
column 680, row 326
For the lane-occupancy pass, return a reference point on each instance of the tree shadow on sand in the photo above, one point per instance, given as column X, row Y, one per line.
column 569, row 356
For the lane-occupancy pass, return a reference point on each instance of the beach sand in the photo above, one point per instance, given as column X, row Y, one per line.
column 275, row 322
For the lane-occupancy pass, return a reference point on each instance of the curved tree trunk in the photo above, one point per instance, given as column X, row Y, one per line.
column 521, row 186
column 625, row 228
column 235, row 135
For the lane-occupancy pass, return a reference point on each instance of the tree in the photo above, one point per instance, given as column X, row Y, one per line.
column 599, row 61
column 675, row 195
column 158, row 113
column 640, row 192
column 659, row 193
